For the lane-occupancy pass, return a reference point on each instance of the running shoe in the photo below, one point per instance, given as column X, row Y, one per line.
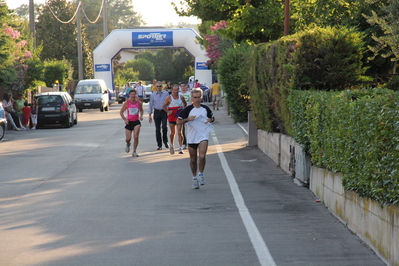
column 195, row 184
column 181, row 151
column 127, row 149
column 134, row 154
column 172, row 150
column 159, row 148
column 184, row 146
column 201, row 179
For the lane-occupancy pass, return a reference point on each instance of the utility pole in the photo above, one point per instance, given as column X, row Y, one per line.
column 105, row 22
column 80, row 56
column 32, row 22
column 287, row 18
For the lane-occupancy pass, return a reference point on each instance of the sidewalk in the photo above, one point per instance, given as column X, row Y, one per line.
column 297, row 228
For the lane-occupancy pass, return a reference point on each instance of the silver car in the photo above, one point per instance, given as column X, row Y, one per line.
column 147, row 93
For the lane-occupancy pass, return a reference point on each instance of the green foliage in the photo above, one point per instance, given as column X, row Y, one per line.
column 270, row 72
column 59, row 39
column 233, row 75
column 353, row 132
column 144, row 68
column 8, row 73
column 60, row 70
column 35, row 69
column 120, row 80
column 172, row 65
column 323, row 58
column 254, row 21
column 125, row 75
column 147, row 55
column 389, row 24
column 328, row 57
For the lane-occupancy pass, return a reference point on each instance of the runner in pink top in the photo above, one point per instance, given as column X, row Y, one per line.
column 134, row 109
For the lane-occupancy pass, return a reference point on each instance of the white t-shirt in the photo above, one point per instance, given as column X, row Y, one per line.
column 192, row 135
column 140, row 91
column 187, row 97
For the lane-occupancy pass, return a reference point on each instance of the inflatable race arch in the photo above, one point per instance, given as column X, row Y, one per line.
column 119, row 40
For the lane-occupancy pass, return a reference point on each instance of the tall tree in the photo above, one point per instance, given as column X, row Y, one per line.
column 59, row 38
column 7, row 72
column 144, row 67
column 387, row 43
column 247, row 20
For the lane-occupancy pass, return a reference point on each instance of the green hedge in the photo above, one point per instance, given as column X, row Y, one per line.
column 354, row 132
column 325, row 58
column 233, row 75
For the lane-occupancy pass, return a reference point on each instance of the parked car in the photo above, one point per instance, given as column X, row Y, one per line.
column 121, row 95
column 92, row 94
column 147, row 93
column 3, row 121
column 56, row 108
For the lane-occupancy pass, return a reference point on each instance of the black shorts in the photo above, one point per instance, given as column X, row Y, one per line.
column 132, row 124
column 195, row 145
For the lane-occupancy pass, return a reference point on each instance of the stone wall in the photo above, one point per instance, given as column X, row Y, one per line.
column 375, row 225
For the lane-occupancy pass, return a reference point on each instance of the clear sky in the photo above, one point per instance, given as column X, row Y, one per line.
column 154, row 12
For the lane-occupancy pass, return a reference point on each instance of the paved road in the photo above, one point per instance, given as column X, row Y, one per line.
column 74, row 197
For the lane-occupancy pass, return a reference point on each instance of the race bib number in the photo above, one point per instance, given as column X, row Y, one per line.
column 133, row 111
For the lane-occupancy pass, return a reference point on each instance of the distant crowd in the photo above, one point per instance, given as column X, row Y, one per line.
column 20, row 114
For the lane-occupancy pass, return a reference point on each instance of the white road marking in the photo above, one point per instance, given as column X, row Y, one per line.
column 258, row 243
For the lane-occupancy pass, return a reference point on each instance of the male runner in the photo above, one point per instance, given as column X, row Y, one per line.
column 196, row 117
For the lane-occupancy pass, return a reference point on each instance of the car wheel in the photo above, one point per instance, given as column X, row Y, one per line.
column 2, row 130
column 67, row 121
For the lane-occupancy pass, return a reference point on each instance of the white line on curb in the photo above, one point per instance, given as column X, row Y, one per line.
column 259, row 244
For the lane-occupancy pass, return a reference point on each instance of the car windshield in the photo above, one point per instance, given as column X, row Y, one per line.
column 80, row 89
column 49, row 100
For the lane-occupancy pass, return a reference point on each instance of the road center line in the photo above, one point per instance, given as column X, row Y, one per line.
column 258, row 243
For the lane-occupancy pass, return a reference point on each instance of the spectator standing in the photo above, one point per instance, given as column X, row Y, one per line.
column 34, row 111
column 26, row 114
column 190, row 85
column 127, row 91
column 160, row 116
column 172, row 105
column 164, row 85
column 154, row 85
column 197, row 84
column 19, row 104
column 196, row 117
column 215, row 92
column 140, row 91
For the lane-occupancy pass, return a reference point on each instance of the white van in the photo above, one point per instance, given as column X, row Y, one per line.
column 91, row 94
